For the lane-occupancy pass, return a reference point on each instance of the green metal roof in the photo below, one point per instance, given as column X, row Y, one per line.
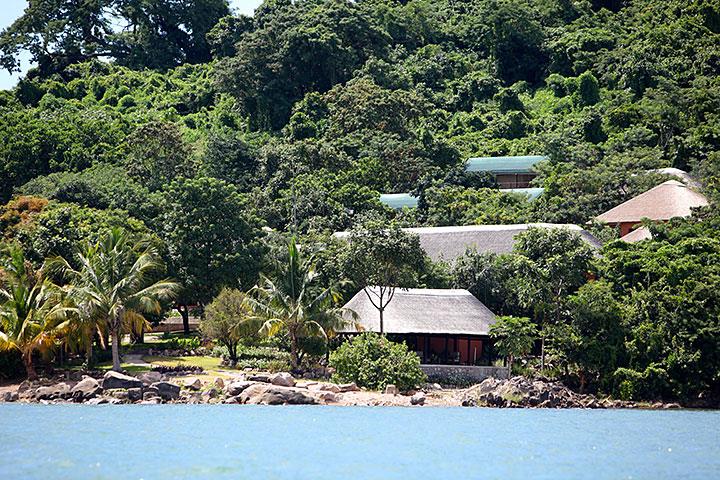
column 399, row 200
column 503, row 164
column 532, row 193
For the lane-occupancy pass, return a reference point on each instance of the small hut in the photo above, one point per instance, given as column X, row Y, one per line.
column 671, row 199
column 443, row 326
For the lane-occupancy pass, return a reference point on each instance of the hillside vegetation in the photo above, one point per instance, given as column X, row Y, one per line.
column 200, row 128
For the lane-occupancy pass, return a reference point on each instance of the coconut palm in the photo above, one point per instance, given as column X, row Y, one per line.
column 114, row 285
column 32, row 315
column 292, row 302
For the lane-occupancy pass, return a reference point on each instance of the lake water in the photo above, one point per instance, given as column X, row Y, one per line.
column 252, row 442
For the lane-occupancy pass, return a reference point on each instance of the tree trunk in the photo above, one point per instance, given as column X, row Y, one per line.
column 89, row 354
column 542, row 352
column 116, row 349
column 183, row 309
column 382, row 327
column 29, row 367
column 294, row 361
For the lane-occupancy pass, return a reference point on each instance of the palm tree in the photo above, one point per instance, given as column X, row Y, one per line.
column 114, row 286
column 294, row 303
column 32, row 314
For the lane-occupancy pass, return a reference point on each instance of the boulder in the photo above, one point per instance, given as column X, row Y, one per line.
column 151, row 401
column 260, row 377
column 329, row 397
column 391, row 389
column 348, row 387
column 417, row 399
column 219, row 383
column 236, row 388
column 231, row 400
column 97, row 401
column 167, row 390
column 10, row 397
column 193, row 384
column 260, row 394
column 148, row 378
column 113, row 380
column 327, row 387
column 135, row 394
column 119, row 394
column 85, row 389
column 60, row 390
column 282, row 379
column 150, row 396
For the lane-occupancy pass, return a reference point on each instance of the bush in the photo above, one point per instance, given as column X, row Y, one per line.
column 647, row 385
column 372, row 361
column 11, row 365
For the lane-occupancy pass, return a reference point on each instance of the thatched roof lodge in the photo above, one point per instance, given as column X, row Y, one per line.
column 668, row 200
column 447, row 326
column 449, row 243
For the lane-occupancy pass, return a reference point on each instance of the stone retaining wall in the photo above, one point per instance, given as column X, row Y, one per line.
column 459, row 374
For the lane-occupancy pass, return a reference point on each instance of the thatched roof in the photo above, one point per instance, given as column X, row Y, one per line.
column 522, row 164
column 418, row 310
column 637, row 235
column 668, row 200
column 449, row 243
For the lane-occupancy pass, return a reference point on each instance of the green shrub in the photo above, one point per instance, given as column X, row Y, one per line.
column 649, row 384
column 372, row 361
column 11, row 365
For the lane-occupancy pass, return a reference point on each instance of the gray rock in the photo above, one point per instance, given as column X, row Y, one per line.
column 135, row 394
column 97, row 401
column 150, row 396
column 193, row 384
column 60, row 390
column 236, row 388
column 85, row 389
column 219, row 383
column 113, row 380
column 348, row 387
column 275, row 395
column 148, row 378
column 151, row 401
column 260, row 377
column 231, row 400
column 418, row 399
column 10, row 397
column 119, row 394
column 327, row 387
column 329, row 397
column 391, row 389
column 167, row 390
column 282, row 379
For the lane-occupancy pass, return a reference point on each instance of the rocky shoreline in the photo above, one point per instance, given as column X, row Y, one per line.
column 283, row 389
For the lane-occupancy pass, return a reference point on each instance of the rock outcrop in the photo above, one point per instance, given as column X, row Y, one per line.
column 113, row 380
column 525, row 392
column 268, row 394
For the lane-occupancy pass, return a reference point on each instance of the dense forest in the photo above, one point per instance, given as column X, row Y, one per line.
column 216, row 134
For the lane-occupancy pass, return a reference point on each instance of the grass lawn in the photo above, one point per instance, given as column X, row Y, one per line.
column 128, row 368
column 206, row 362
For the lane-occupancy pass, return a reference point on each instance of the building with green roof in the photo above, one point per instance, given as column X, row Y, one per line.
column 509, row 172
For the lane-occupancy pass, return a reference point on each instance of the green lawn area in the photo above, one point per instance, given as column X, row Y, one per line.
column 128, row 368
column 206, row 362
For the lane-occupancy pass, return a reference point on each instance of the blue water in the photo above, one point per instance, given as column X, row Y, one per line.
column 251, row 442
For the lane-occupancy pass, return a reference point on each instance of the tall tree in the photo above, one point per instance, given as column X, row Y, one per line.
column 116, row 283
column 292, row 301
column 138, row 33
column 212, row 241
column 552, row 263
column 382, row 258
